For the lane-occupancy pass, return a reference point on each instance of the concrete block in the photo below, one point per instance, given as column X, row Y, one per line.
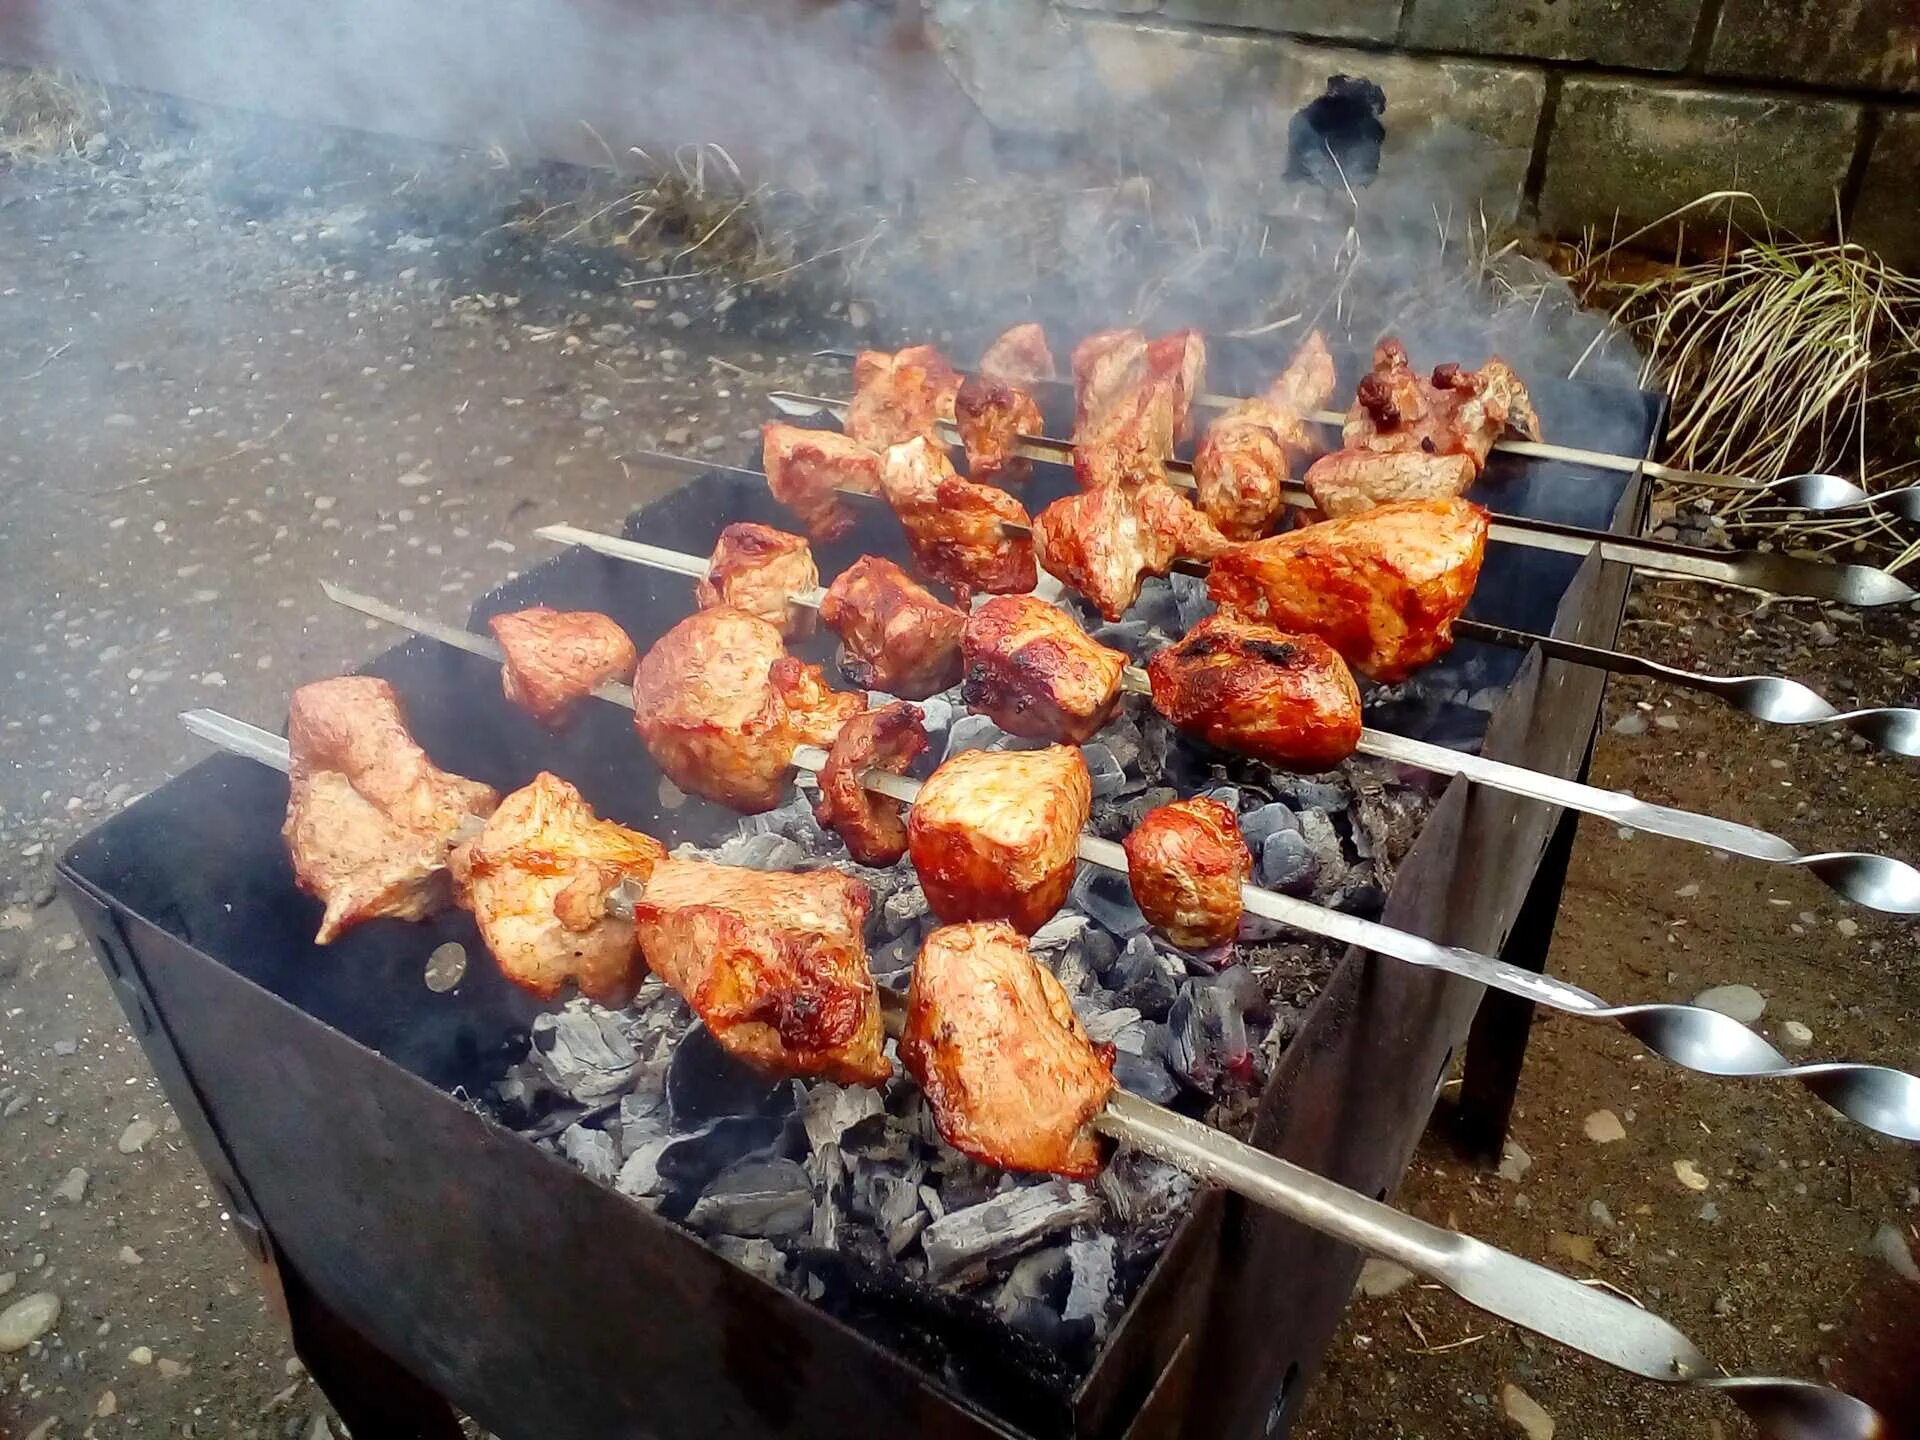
column 1338, row 19
column 1641, row 150
column 1871, row 44
column 1886, row 216
column 1640, row 34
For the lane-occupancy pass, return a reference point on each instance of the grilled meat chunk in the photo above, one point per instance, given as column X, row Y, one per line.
column 1178, row 362
column 1186, row 863
column 994, row 833
column 885, row 739
column 1307, row 383
column 773, row 962
column 895, row 634
column 1245, row 459
column 1383, row 587
column 370, row 818
column 756, row 568
column 1349, row 481
column 953, row 525
column 1020, row 356
column 1035, row 672
column 1288, row 700
column 1104, row 542
column 555, row 658
column 1454, row 411
column 992, row 415
column 804, row 468
column 899, row 396
column 1013, row 1079
column 1132, row 402
column 537, row 880
column 721, row 706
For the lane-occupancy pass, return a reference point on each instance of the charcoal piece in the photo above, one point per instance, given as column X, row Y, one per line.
column 1105, row 895
column 755, row 1198
column 1146, row 978
column 930, row 1198
column 1103, row 1026
column 584, row 1050
column 1072, row 969
column 1227, row 795
column 1090, row 1296
column 1139, row 1189
column 829, row 1111
column 1109, row 778
column 1323, row 842
column 705, row 1083
column 1287, row 863
column 639, row 1177
column 1146, row 1076
column 640, row 1118
column 1207, row 1037
column 902, row 908
column 1305, row 794
column 760, row 851
column 893, row 961
column 595, row 1152
column 1361, row 892
column 762, row 1257
column 1210, row 961
column 1040, row 1279
column 1133, row 638
column 1192, row 600
column 1386, row 821
column 1062, row 929
column 1121, row 735
column 971, row 732
column 794, row 820
column 1245, row 989
column 1005, row 1225
column 1257, row 824
column 1101, row 950
column 688, row 1162
column 1159, row 604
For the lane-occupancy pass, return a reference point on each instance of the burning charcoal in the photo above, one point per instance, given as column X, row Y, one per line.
column 1108, row 778
column 1134, row 638
column 903, row 908
column 755, row 1198
column 829, row 1174
column 1101, row 950
column 1145, row 978
column 639, row 1177
column 1361, row 893
column 1122, row 736
column 1006, row 1225
column 1146, row 1076
column 1072, row 969
column 1386, row 821
column 1159, row 604
column 1088, row 1298
column 828, row 1111
column 936, row 713
column 892, row 963
column 688, row 1162
column 705, row 1083
column 1304, row 794
column 1106, row 897
column 1227, row 795
column 584, row 1051
column 1323, row 841
column 793, row 820
column 762, row 1257
column 1207, row 1037
column 1062, row 929
column 642, row 1117
column 1286, row 863
column 1190, row 595
column 593, row 1151
column 1102, row 1027
column 1031, row 1296
column 761, row 851
column 1139, row 1189
column 971, row 732
column 1256, row 825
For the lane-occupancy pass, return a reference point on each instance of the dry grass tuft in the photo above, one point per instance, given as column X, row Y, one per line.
column 47, row 117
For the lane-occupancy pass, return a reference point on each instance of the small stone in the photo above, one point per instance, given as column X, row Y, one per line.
column 1688, row 1174
column 1632, row 723
column 1891, row 1246
column 1795, row 1034
column 1846, row 927
column 1723, row 1305
column 1667, row 722
column 172, row 1369
column 140, row 1355
column 1710, row 1213
column 136, row 1137
column 1514, row 1161
column 7, row 1279
column 1598, row 1212
column 27, row 1319
column 1603, row 1127
column 1524, row 1414
column 108, row 1404
column 73, row 1189
column 1689, row 890
column 1738, row 1002
column 130, row 1256
column 1382, row 1277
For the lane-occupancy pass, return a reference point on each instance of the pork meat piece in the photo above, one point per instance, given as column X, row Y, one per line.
column 899, row 396
column 1178, row 362
column 1383, row 587
column 889, row 738
column 954, row 526
column 721, row 706
column 370, row 819
column 994, row 832
column 895, row 634
column 1013, row 1079
column 1186, row 863
column 1104, row 542
column 537, row 880
column 991, row 416
column 1020, row 356
column 1349, row 481
column 1034, row 672
column 756, row 568
column 804, row 469
column 556, row 658
column 1307, row 383
column 1247, row 455
column 774, row 964
column 1453, row 411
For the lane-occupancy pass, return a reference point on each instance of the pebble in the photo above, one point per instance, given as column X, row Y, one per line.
column 27, row 1319
column 1795, row 1034
column 1846, row 927
column 1631, row 724
column 130, row 1256
column 1514, row 1161
column 1382, row 1277
column 1891, row 1246
column 73, row 1189
column 140, row 1355
column 136, row 1136
column 1603, row 1127
column 1739, row 1002
column 1688, row 1174
column 109, row 1404
column 1524, row 1413
column 1598, row 1212
column 172, row 1369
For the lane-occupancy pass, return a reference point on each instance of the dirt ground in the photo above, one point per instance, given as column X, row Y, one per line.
column 212, row 398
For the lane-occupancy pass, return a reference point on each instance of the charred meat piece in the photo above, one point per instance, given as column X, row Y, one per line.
column 895, row 634
column 537, row 880
column 1104, row 542
column 804, row 468
column 994, row 833
column 773, row 962
column 1247, row 455
column 1454, row 411
column 1186, row 863
column 555, row 658
column 1288, row 700
column 899, row 396
column 1013, row 1079
column 370, row 819
column 1020, row 356
column 1349, row 481
column 756, row 568
column 721, row 706
column 1383, row 587
column 1034, row 672
column 885, row 739
column 992, row 415
column 954, row 526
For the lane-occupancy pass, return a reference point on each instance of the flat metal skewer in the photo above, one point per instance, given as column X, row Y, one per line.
column 1877, row 881
column 1692, row 1037
column 1582, row 1317
column 1775, row 573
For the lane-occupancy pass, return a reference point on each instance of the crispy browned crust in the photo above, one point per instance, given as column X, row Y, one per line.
column 1350, row 481
column 556, row 658
column 992, row 415
column 1105, row 541
column 886, row 739
column 1451, row 411
column 954, row 527
column 895, row 634
column 899, row 396
column 1019, row 356
column 1247, row 687
column 1036, row 673
column 1186, row 863
column 757, row 568
column 805, row 467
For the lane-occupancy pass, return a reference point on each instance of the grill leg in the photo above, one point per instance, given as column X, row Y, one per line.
column 375, row 1397
column 1497, row 1044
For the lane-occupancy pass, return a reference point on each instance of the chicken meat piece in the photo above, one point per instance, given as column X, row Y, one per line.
column 1104, row 542
column 806, row 467
column 1383, row 587
column 1020, row 356
column 1349, row 481
column 1454, row 411
column 370, row 819
column 774, row 963
column 556, row 658
column 899, row 396
column 954, row 527
column 1247, row 455
column 1034, row 672
column 889, row 738
column 1107, row 365
column 1186, row 863
column 1133, row 400
column 895, row 634
column 721, row 706
column 537, row 880
column 758, row 569
column 1178, row 362
column 992, row 415
column 994, row 833
column 1307, row 384
column 1011, row 1074
column 1288, row 700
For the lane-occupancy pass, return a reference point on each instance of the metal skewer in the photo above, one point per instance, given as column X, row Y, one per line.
column 1775, row 573
column 1814, row 491
column 1694, row 1038
column 1582, row 1317
column 1876, row 881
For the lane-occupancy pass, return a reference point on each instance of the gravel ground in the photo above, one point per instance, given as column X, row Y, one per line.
column 216, row 397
